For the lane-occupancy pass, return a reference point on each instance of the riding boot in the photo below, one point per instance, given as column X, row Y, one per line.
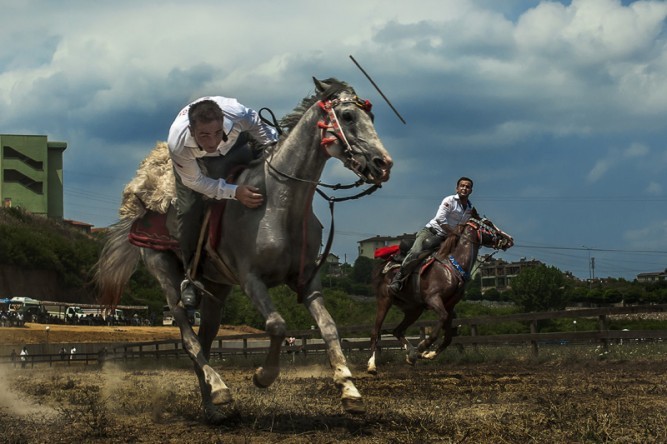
column 397, row 282
column 190, row 296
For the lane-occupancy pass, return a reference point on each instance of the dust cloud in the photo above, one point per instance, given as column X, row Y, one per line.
column 13, row 404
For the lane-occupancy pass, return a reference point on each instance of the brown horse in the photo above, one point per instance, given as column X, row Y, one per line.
column 438, row 285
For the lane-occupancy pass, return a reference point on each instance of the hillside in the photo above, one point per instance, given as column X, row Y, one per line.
column 45, row 259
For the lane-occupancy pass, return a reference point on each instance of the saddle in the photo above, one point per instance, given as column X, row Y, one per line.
column 157, row 231
column 393, row 255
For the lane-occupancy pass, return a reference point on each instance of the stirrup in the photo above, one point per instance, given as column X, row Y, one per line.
column 190, row 296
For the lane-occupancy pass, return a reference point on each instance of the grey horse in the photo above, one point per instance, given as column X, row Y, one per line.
column 277, row 243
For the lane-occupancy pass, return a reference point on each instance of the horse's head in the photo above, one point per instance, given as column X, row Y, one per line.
column 348, row 133
column 491, row 236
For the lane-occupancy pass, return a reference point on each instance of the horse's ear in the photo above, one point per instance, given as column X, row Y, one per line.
column 319, row 85
column 474, row 214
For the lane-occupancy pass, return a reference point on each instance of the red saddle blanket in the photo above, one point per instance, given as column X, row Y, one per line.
column 386, row 252
column 151, row 230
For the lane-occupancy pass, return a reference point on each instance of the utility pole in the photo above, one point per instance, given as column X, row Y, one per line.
column 590, row 266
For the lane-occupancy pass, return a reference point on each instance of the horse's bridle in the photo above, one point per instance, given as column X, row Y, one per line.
column 484, row 226
column 333, row 128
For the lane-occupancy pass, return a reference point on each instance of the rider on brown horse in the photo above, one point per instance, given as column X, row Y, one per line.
column 453, row 210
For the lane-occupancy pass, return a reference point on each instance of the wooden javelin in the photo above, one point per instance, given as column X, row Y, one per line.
column 379, row 90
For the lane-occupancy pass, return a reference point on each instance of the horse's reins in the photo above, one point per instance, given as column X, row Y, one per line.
column 333, row 127
column 480, row 226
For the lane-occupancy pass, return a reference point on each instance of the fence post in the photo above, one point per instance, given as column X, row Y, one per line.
column 602, row 327
column 533, row 331
column 473, row 333
column 245, row 347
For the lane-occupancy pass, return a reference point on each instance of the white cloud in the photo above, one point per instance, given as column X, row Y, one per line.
column 528, row 100
column 601, row 167
column 636, row 150
column 650, row 237
column 654, row 189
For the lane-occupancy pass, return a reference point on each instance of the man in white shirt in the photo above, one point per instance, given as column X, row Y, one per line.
column 24, row 355
column 453, row 210
column 210, row 133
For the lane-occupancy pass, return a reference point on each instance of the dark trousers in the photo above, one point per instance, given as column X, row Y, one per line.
column 190, row 205
column 414, row 255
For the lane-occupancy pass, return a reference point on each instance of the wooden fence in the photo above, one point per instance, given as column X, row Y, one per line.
column 356, row 338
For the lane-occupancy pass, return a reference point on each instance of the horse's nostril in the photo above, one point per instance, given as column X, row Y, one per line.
column 384, row 163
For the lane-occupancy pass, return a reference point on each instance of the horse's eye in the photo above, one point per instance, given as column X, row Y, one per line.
column 347, row 116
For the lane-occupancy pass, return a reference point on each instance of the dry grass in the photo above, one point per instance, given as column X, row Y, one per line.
column 511, row 400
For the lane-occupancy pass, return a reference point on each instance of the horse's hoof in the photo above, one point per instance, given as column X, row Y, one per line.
column 410, row 360
column 264, row 377
column 372, row 371
column 215, row 418
column 255, row 380
column 223, row 396
column 428, row 355
column 354, row 406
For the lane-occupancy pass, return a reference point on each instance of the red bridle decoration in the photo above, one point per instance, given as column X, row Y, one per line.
column 334, row 126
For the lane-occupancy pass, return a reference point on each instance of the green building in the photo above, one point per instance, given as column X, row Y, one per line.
column 31, row 174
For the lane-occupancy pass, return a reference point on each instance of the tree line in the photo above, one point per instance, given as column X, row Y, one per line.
column 33, row 242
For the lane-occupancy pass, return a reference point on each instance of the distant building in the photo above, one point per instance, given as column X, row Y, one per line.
column 648, row 278
column 80, row 226
column 334, row 265
column 368, row 246
column 498, row 274
column 31, row 174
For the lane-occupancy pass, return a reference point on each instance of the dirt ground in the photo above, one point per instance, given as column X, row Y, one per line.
column 572, row 397
column 33, row 333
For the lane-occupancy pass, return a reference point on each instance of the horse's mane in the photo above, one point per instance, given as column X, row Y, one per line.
column 452, row 240
column 334, row 88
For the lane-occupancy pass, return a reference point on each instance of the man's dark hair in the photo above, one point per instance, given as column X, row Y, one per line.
column 204, row 111
column 465, row 178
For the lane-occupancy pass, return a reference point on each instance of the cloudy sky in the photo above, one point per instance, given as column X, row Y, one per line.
column 556, row 109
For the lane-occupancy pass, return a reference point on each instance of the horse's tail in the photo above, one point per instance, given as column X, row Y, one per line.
column 117, row 263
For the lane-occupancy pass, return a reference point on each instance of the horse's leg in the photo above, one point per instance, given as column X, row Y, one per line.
column 410, row 316
column 275, row 327
column 435, row 302
column 383, row 306
column 446, row 340
column 211, row 315
column 350, row 396
column 167, row 270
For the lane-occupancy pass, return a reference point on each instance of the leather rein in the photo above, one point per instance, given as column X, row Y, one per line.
column 480, row 226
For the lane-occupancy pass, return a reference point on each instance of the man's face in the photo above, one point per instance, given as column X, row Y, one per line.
column 207, row 135
column 464, row 188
